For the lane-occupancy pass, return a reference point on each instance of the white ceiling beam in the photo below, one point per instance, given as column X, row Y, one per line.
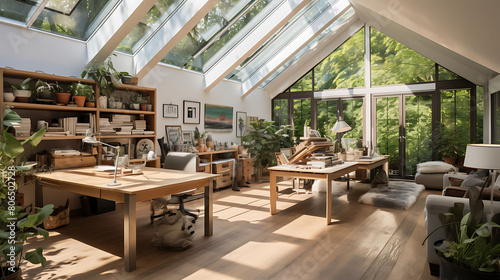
column 116, row 27
column 313, row 56
column 253, row 40
column 312, row 31
column 170, row 34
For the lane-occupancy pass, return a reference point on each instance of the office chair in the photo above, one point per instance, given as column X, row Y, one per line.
column 176, row 161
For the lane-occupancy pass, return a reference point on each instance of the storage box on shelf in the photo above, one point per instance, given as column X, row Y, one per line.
column 222, row 162
column 85, row 116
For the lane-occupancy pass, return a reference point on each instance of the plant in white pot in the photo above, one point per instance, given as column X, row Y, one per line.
column 16, row 224
column 22, row 92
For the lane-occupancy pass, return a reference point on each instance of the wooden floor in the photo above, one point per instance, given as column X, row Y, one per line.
column 364, row 242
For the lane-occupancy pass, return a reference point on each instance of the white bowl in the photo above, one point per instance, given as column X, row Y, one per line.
column 22, row 93
column 8, row 97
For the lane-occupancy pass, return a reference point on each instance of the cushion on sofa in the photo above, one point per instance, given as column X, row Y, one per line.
column 435, row 167
column 475, row 179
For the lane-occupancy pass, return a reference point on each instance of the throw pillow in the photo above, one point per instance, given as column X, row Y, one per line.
column 455, row 182
column 476, row 179
column 435, row 167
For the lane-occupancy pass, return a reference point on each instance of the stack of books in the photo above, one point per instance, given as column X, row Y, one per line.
column 56, row 131
column 105, row 127
column 23, row 128
column 323, row 161
column 69, row 124
column 81, row 128
column 139, row 127
column 122, row 124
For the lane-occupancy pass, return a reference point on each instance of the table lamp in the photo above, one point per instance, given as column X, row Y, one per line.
column 484, row 156
column 340, row 127
column 92, row 140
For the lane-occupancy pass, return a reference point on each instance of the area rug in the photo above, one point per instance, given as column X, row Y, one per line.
column 338, row 188
column 398, row 195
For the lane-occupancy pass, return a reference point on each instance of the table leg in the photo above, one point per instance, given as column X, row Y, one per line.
column 329, row 200
column 130, row 232
column 209, row 213
column 273, row 192
column 386, row 167
column 347, row 179
column 38, row 194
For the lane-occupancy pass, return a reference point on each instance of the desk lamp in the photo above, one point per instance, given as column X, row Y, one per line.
column 484, row 156
column 92, row 140
column 340, row 127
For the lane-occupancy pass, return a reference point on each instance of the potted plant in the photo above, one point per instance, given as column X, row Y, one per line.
column 45, row 90
column 17, row 225
column 23, row 91
column 446, row 145
column 471, row 249
column 81, row 92
column 198, row 136
column 62, row 97
column 262, row 142
column 107, row 78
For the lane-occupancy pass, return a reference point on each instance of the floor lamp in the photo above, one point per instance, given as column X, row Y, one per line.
column 484, row 156
column 92, row 140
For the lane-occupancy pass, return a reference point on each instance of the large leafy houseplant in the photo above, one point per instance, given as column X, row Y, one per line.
column 468, row 243
column 262, row 141
column 16, row 224
column 79, row 89
column 106, row 76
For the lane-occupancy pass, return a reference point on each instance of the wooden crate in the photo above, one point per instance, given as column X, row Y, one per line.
column 205, row 168
column 225, row 179
column 219, row 167
column 71, row 161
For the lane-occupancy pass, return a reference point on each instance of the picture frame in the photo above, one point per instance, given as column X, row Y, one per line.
column 250, row 120
column 241, row 123
column 173, row 135
column 218, row 118
column 187, row 137
column 170, row 111
column 191, row 112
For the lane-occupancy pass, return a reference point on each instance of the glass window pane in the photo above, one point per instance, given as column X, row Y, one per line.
column 304, row 84
column 155, row 17
column 446, row 75
column 394, row 63
column 83, row 21
column 353, row 116
column 326, row 116
column 62, row 6
column 18, row 10
column 301, row 115
column 280, row 111
column 479, row 114
column 387, row 126
column 455, row 117
column 336, row 24
column 418, row 131
column 344, row 68
column 211, row 25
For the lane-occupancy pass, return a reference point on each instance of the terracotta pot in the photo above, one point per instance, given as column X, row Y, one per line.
column 144, row 107
column 63, row 97
column 450, row 160
column 18, row 275
column 79, row 100
column 90, row 104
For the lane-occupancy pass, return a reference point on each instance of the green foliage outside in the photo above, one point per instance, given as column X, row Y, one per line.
column 304, row 84
column 344, row 68
column 455, row 116
column 280, row 111
column 394, row 63
column 326, row 114
column 301, row 115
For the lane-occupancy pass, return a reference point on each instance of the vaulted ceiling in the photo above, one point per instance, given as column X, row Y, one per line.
column 265, row 43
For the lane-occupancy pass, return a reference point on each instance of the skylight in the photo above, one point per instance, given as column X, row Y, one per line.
column 154, row 19
column 335, row 25
column 18, row 10
column 64, row 7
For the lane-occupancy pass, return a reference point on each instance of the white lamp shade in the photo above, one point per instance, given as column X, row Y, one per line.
column 340, row 126
column 482, row 156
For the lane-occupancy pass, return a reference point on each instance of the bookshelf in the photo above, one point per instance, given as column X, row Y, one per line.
column 92, row 115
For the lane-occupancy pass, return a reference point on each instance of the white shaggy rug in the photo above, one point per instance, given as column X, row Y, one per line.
column 338, row 188
column 399, row 195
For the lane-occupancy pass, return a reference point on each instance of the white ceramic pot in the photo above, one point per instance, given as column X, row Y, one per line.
column 22, row 93
column 103, row 102
column 8, row 97
column 135, row 106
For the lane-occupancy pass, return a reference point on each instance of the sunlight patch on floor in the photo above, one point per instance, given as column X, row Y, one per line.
column 251, row 254
column 209, row 274
column 240, row 199
column 304, row 227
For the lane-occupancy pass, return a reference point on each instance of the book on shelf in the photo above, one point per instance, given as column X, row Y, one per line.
column 23, row 128
column 56, row 134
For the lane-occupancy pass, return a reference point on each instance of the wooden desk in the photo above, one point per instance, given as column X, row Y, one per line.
column 369, row 164
column 327, row 174
column 153, row 183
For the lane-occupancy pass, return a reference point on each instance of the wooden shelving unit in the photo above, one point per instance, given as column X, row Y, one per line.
column 44, row 111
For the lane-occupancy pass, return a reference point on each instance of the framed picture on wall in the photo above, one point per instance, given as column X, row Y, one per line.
column 241, row 123
column 187, row 136
column 251, row 120
column 170, row 111
column 192, row 112
column 174, row 135
column 218, row 118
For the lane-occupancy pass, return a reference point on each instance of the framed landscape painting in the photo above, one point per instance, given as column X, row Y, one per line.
column 218, row 118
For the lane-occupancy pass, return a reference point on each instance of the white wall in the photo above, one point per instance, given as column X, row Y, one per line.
column 175, row 85
column 30, row 50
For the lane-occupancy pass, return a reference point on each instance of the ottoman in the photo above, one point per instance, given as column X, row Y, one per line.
column 430, row 174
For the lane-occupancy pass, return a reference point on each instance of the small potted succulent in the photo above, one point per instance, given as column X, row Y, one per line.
column 23, row 91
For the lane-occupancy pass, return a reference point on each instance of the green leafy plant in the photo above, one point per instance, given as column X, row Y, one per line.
column 262, row 142
column 446, row 144
column 42, row 86
column 286, row 136
column 468, row 242
column 24, row 85
column 106, row 76
column 79, row 89
column 197, row 134
column 16, row 224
